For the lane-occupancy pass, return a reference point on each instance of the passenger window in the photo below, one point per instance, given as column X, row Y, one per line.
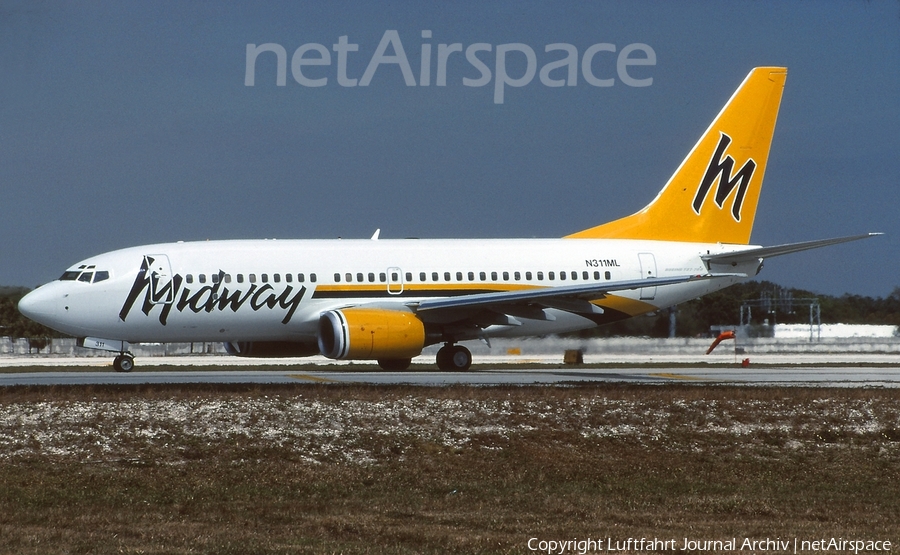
column 240, row 278
column 349, row 277
column 518, row 276
column 575, row 275
column 551, row 276
column 265, row 278
column 189, row 278
column 337, row 278
column 395, row 276
column 359, row 277
column 382, row 277
column 596, row 274
column 608, row 275
column 252, row 278
column 540, row 276
column 459, row 276
column 493, row 276
column 505, row 276
column 528, row 276
column 585, row 276
column 434, row 276
column 482, row 276
column 371, row 277
column 215, row 278
column 301, row 278
column 408, row 276
column 289, row 278
column 562, row 276
column 446, row 276
column 312, row 278
column 276, row 278
column 471, row 276
column 227, row 278
column 201, row 278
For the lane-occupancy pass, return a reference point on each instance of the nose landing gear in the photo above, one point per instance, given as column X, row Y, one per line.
column 454, row 358
column 123, row 363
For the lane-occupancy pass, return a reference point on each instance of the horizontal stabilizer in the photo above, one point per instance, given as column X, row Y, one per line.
column 767, row 252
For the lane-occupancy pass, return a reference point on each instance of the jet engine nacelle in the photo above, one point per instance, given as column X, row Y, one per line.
column 370, row 333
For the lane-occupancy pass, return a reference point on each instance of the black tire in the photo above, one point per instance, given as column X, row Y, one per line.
column 123, row 363
column 454, row 358
column 394, row 364
column 444, row 363
column 461, row 359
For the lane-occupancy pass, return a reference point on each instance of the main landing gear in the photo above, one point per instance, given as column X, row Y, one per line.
column 454, row 358
column 123, row 363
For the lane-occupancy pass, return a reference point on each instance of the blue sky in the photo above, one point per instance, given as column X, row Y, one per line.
column 127, row 123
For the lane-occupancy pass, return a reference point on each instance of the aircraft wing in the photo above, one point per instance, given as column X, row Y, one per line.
column 571, row 298
column 756, row 253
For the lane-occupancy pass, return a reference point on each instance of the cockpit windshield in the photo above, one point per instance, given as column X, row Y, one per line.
column 86, row 274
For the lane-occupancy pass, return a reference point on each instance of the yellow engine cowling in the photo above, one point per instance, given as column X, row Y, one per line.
column 370, row 333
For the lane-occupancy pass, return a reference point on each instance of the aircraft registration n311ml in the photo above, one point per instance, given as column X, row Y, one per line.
column 386, row 300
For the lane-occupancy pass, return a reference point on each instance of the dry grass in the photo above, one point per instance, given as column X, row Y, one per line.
column 352, row 469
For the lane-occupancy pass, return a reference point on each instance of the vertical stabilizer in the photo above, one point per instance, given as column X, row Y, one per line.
column 713, row 194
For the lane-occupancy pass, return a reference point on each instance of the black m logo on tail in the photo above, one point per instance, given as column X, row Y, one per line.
column 721, row 168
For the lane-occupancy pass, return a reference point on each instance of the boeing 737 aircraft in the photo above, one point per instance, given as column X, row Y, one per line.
column 386, row 300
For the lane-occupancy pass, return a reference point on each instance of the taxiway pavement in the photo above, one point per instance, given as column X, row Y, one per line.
column 820, row 370
column 807, row 376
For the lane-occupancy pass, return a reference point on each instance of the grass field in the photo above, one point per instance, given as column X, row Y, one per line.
column 352, row 469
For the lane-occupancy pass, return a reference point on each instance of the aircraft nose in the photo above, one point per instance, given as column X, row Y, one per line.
column 41, row 305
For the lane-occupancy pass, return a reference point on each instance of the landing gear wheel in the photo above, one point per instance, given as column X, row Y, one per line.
column 123, row 363
column 454, row 358
column 394, row 364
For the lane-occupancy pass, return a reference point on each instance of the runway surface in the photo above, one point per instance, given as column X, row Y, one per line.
column 768, row 376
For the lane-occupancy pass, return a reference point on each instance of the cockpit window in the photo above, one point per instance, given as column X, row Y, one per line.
column 85, row 275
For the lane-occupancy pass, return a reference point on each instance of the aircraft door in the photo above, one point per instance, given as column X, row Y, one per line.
column 394, row 281
column 159, row 272
column 648, row 271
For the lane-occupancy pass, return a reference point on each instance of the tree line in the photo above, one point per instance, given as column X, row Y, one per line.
column 767, row 301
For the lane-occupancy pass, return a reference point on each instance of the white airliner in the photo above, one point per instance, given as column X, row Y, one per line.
column 386, row 300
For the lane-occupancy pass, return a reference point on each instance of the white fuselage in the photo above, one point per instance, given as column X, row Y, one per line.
column 276, row 290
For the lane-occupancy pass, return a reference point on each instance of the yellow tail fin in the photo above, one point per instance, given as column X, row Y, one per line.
column 713, row 194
